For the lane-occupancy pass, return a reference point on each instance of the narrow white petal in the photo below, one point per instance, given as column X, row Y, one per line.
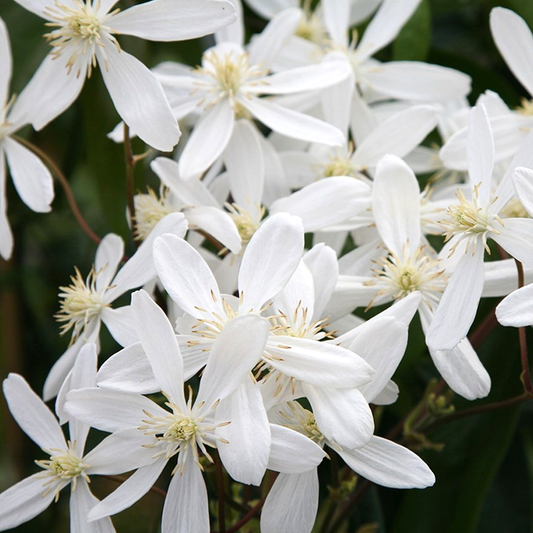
column 108, row 257
column 133, row 489
column 342, row 415
column 297, row 294
column 109, row 410
column 523, row 184
column 31, row 414
column 186, row 506
column 31, row 178
column 139, row 98
column 159, row 342
column 81, row 502
column 119, row 322
column 458, row 306
column 514, row 40
column 337, row 19
column 246, row 455
column 517, row 309
column 410, row 80
column 173, row 20
column 386, row 24
column 292, row 452
column 292, row 504
column 236, row 350
column 271, row 8
column 480, row 145
column 326, row 202
column 23, row 501
column 516, row 238
column 265, row 47
column 396, row 205
column 271, row 257
column 233, row 32
column 36, row 6
column 386, row 463
column 208, row 140
column 186, row 277
column 292, row 123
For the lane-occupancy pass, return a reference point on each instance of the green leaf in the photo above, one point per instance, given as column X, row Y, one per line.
column 414, row 41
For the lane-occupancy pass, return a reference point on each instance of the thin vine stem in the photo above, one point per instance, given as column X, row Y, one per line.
column 64, row 184
column 526, row 374
column 130, row 161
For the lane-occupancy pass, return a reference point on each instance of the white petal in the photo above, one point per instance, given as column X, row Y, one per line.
column 336, row 100
column 265, row 47
column 410, row 80
column 292, row 504
column 32, row 415
column 173, row 20
column 139, row 98
column 458, row 306
column 516, row 238
column 386, row 25
column 133, row 489
column 233, row 32
column 396, row 135
column 342, row 415
column 109, row 410
column 271, row 257
column 514, row 41
column 186, row 277
column 389, row 464
column 243, row 158
column 480, row 153
column 208, row 140
column 326, row 202
column 336, row 19
column 81, row 502
column 396, row 205
column 50, row 92
column 245, row 457
column 292, row 452
column 292, row 123
column 23, row 501
column 108, row 257
column 119, row 322
column 236, row 350
column 318, row 363
column 523, row 184
column 186, row 506
column 31, row 178
column 297, row 294
column 159, row 342
column 517, row 309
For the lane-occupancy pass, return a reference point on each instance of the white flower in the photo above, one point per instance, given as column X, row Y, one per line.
column 31, row 178
column 82, row 36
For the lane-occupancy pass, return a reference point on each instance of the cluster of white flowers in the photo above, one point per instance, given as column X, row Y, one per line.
column 299, row 131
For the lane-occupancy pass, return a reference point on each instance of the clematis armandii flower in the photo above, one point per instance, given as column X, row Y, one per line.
column 82, row 36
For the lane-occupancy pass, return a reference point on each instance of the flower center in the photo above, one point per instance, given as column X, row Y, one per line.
column 63, row 467
column 514, row 209
column 311, row 28
column 526, row 107
column 80, row 303
column 303, row 421
column 246, row 222
column 298, row 325
column 149, row 210
column 79, row 32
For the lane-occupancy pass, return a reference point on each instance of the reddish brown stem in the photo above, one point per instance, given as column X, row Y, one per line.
column 130, row 175
column 65, row 185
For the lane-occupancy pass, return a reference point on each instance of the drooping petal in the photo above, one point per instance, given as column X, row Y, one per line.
column 186, row 276
column 292, row 452
column 158, row 339
column 23, row 501
column 173, row 20
column 208, row 140
column 342, row 415
column 32, row 415
column 386, row 463
column 291, row 504
column 270, row 259
column 138, row 98
column 458, row 306
column 233, row 355
column 31, row 178
column 81, row 502
column 133, row 489
column 293, row 123
column 246, row 455
column 186, row 505
column 514, row 40
column 517, row 309
column 396, row 205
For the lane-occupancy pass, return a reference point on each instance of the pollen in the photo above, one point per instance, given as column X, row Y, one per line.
column 149, row 210
column 247, row 224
